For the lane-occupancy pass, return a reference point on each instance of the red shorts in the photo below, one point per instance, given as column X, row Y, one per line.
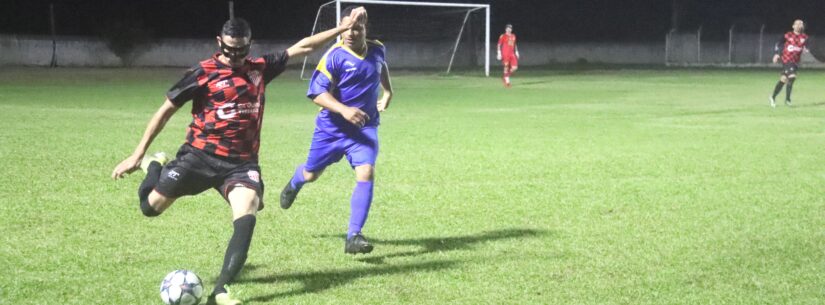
column 509, row 60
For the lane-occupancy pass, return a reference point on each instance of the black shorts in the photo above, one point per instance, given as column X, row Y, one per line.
column 194, row 171
column 789, row 68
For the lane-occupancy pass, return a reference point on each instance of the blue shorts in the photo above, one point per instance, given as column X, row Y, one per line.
column 326, row 149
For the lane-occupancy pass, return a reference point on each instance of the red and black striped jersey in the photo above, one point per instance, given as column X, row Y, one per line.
column 227, row 104
column 792, row 46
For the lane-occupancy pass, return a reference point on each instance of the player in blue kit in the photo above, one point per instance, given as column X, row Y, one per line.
column 345, row 84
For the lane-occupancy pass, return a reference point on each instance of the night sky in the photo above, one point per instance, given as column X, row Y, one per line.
column 534, row 20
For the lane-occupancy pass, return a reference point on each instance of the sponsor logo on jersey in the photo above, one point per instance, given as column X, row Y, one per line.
column 222, row 84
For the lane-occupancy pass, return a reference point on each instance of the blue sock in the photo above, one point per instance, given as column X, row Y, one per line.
column 298, row 180
column 360, row 206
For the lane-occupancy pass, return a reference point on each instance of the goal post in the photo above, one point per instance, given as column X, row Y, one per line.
column 459, row 30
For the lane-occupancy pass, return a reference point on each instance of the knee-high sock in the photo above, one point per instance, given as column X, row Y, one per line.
column 236, row 252
column 778, row 88
column 507, row 74
column 146, row 187
column 360, row 206
column 789, row 88
column 298, row 180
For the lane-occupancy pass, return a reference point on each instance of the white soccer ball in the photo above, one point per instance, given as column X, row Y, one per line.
column 181, row 287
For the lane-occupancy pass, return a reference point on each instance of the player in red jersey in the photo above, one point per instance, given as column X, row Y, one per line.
column 221, row 149
column 508, row 53
column 789, row 49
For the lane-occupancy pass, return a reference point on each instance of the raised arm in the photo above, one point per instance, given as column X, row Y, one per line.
column 153, row 128
column 312, row 43
column 386, row 85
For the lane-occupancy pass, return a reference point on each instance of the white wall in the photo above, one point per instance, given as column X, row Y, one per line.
column 92, row 52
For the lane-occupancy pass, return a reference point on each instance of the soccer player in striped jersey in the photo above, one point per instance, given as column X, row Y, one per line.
column 345, row 84
column 789, row 48
column 221, row 148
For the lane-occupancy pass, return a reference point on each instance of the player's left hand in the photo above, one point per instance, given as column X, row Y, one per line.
column 384, row 102
column 127, row 166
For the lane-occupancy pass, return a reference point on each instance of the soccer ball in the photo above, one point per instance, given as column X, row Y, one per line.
column 181, row 287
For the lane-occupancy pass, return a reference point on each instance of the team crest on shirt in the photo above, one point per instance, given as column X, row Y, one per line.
column 254, row 176
column 254, row 76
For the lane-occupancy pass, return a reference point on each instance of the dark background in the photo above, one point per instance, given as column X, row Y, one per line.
column 534, row 20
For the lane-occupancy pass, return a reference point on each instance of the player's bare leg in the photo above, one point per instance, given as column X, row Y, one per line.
column 359, row 209
column 244, row 202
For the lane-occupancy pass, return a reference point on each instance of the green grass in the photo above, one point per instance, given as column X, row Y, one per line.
column 591, row 187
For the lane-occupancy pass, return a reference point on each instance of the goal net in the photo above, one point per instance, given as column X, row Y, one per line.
column 438, row 36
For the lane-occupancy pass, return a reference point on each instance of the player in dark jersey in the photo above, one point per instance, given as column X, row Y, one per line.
column 789, row 49
column 221, row 149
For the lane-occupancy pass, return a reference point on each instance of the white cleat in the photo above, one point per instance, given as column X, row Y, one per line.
column 773, row 102
column 159, row 157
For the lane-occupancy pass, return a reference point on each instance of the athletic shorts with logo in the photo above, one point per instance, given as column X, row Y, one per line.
column 194, row 171
column 789, row 68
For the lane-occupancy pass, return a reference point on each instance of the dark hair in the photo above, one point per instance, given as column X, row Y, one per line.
column 236, row 27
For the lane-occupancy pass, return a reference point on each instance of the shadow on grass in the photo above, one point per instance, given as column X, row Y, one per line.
column 322, row 280
column 441, row 244
column 818, row 104
column 318, row 281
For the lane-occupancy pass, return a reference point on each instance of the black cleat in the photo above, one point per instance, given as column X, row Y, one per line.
column 357, row 244
column 288, row 195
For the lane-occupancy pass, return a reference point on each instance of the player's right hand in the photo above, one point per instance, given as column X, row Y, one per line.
column 355, row 116
column 357, row 15
column 127, row 166
column 498, row 56
column 776, row 58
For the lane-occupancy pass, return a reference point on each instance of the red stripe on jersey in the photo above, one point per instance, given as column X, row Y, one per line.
column 794, row 45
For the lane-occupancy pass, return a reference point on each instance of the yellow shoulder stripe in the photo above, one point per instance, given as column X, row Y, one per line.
column 322, row 64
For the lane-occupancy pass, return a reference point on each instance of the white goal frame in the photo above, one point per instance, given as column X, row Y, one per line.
column 470, row 6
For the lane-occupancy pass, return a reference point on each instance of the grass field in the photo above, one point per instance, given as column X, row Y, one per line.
column 573, row 187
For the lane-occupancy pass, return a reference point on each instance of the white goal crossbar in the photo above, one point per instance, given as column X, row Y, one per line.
column 472, row 7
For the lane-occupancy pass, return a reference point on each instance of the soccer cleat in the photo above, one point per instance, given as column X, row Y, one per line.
column 222, row 299
column 357, row 244
column 288, row 195
column 159, row 157
column 773, row 102
column 788, row 103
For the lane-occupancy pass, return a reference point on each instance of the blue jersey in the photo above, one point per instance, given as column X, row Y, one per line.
column 353, row 80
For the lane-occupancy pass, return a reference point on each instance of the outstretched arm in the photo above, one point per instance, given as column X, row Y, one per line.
column 386, row 85
column 312, row 43
column 154, row 127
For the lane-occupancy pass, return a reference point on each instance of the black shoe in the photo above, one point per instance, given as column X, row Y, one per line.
column 288, row 195
column 357, row 244
column 788, row 102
